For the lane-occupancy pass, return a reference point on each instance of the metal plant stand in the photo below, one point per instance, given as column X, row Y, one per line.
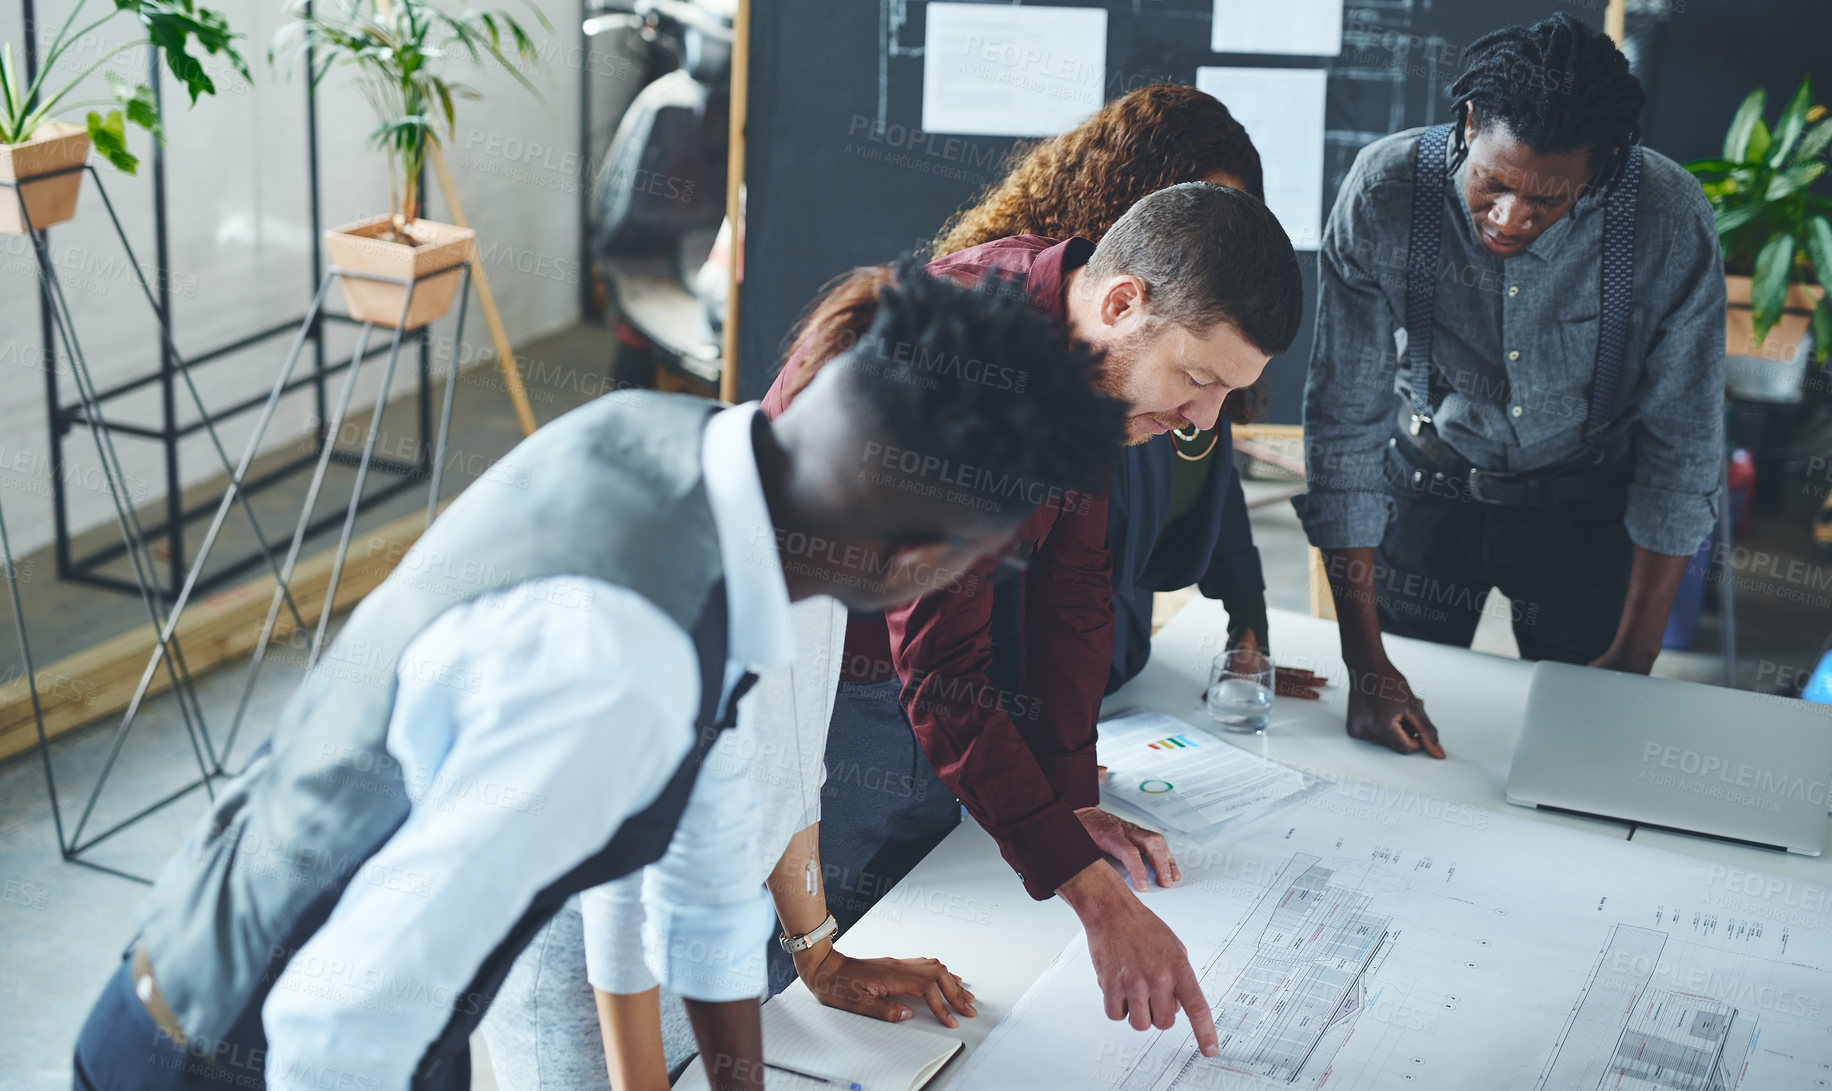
column 134, row 542
column 334, row 426
column 170, row 525
column 167, row 653
column 182, row 577
column 31, row 675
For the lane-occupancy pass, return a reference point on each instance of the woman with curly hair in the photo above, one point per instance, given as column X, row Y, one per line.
column 1081, row 181
column 1176, row 515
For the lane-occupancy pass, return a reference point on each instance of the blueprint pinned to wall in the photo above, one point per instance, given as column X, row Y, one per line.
column 1430, row 945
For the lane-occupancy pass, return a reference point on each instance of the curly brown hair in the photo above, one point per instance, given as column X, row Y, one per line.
column 836, row 320
column 1081, row 181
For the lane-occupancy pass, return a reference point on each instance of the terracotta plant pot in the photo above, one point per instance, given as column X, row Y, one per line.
column 1783, row 340
column 54, row 146
column 433, row 267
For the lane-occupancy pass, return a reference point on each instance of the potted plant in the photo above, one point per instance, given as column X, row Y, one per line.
column 398, row 48
column 1774, row 228
column 34, row 143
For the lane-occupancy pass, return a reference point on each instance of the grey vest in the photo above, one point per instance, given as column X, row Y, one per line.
column 611, row 491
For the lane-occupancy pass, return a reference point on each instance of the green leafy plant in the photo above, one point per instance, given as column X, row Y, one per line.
column 1772, row 225
column 169, row 26
column 398, row 48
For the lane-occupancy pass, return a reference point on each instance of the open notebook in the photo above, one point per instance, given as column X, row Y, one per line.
column 846, row 1048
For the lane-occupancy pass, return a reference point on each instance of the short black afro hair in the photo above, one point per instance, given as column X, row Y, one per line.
column 982, row 399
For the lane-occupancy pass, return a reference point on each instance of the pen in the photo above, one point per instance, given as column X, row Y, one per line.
column 850, row 1085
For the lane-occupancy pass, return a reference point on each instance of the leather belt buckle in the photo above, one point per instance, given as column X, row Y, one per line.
column 146, row 988
column 1416, row 422
column 1473, row 483
column 1511, row 492
column 1476, row 491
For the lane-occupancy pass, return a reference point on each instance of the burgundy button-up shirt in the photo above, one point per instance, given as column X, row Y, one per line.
column 1020, row 762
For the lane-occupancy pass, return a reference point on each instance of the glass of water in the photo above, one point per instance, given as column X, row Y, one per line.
column 1240, row 691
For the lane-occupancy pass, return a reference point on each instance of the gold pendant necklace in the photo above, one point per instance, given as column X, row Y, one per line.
column 1178, row 438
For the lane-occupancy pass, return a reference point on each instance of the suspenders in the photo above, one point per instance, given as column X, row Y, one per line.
column 1422, row 263
column 1618, row 280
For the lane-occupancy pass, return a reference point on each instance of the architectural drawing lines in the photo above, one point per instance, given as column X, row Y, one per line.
column 1294, row 1002
column 1399, row 949
column 1624, row 1034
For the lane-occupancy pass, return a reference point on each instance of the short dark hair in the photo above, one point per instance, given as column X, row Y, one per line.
column 1209, row 254
column 1558, row 86
column 998, row 397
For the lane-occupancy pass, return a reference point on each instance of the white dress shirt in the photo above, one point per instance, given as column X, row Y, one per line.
column 561, row 707
column 781, row 739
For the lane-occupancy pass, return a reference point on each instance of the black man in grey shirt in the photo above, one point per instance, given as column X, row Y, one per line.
column 1517, row 377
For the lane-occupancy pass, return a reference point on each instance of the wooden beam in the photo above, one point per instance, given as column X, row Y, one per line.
column 1269, row 431
column 486, row 299
column 480, row 278
column 99, row 681
column 1322, row 601
column 734, row 195
column 1269, row 456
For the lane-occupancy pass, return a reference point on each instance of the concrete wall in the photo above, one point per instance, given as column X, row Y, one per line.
column 236, row 193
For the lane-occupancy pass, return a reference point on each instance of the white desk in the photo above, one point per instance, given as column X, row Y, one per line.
column 1475, row 700
column 963, row 905
column 1812, row 869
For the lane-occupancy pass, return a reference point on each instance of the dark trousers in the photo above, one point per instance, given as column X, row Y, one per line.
column 882, row 807
column 120, row 1048
column 1564, row 567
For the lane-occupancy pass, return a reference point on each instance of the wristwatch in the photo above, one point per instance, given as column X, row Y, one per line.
column 795, row 945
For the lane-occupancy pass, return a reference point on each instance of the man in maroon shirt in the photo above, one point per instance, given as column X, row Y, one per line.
column 1172, row 297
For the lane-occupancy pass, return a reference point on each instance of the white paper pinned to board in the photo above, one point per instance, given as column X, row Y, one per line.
column 1292, row 27
column 1002, row 70
column 1282, row 110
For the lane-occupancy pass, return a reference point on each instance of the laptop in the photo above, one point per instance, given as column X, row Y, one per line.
column 1677, row 755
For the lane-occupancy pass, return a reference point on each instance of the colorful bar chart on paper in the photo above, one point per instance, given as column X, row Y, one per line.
column 1175, row 742
column 1181, row 779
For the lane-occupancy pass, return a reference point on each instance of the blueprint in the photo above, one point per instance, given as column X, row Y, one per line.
column 1627, row 1033
column 1366, row 938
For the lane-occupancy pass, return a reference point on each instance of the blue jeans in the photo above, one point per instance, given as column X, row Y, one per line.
column 122, row 1049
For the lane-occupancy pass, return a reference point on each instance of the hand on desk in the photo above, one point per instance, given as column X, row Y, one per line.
column 1143, row 969
column 1383, row 709
column 866, row 985
column 1132, row 845
column 1286, row 681
column 862, row 985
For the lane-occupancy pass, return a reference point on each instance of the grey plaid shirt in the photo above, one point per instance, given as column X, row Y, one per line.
column 1514, row 343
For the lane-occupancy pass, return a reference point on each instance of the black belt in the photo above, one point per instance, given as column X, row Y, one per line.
column 1432, row 467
